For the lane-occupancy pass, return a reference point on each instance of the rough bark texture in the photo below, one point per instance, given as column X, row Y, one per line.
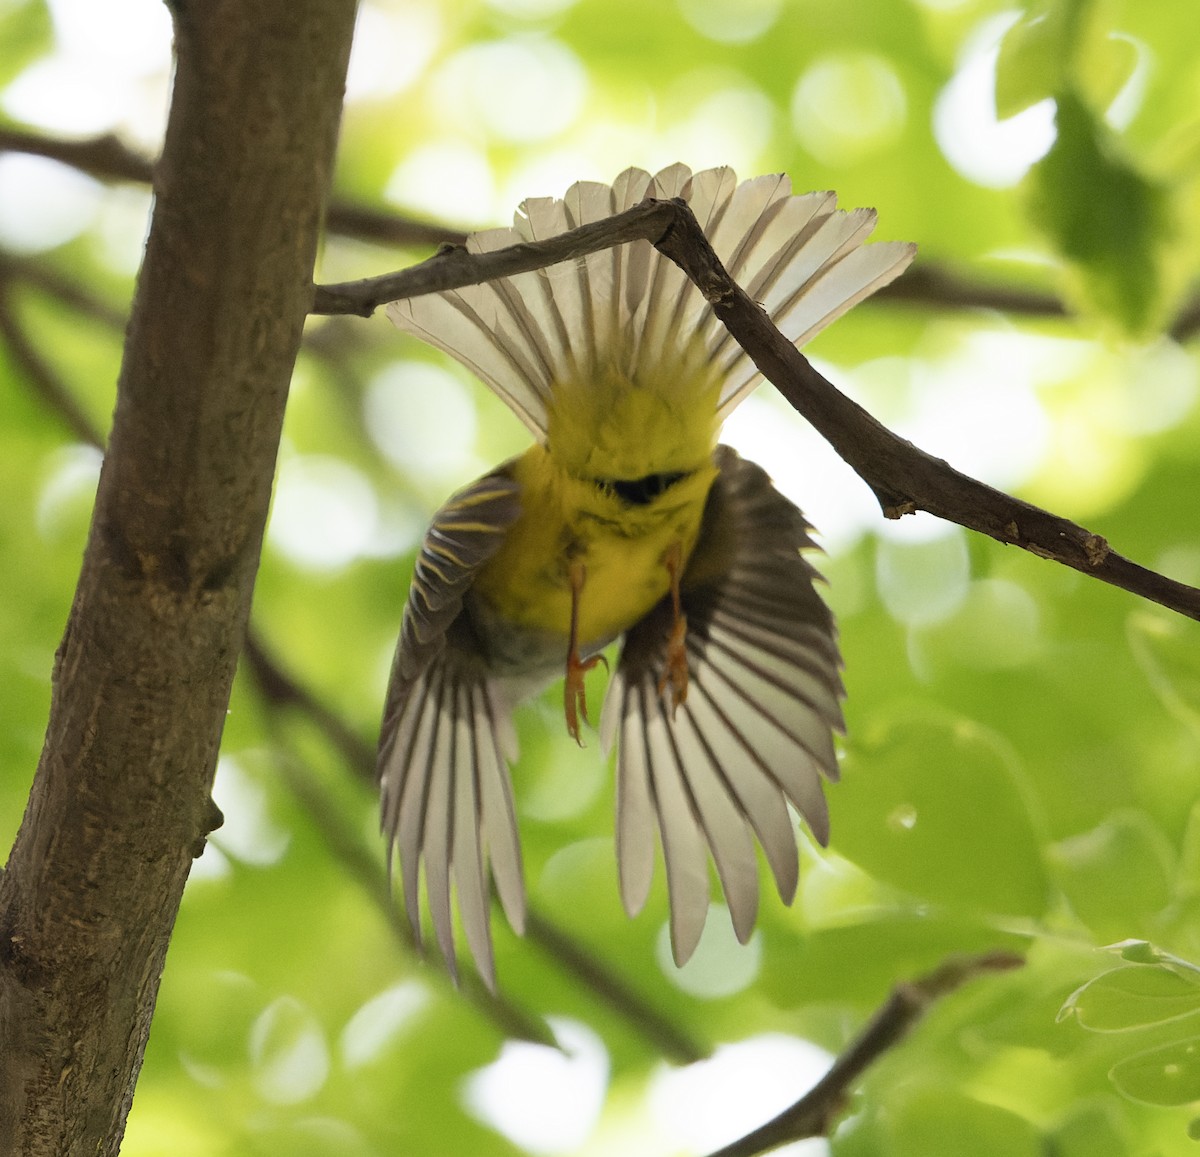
column 120, row 804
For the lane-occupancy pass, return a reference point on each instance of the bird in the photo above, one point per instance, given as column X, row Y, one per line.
column 627, row 520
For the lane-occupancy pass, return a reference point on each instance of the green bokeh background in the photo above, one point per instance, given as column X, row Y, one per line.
column 1023, row 758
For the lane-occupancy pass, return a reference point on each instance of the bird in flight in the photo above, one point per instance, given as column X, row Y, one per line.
column 625, row 519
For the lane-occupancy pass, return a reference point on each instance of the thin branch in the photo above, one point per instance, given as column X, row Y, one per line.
column 107, row 159
column 44, row 278
column 365, row 223
column 903, row 477
column 934, row 285
column 347, row 848
column 281, row 690
column 41, row 376
column 670, row 1039
column 453, row 266
column 815, row 1114
column 104, row 157
column 1187, row 323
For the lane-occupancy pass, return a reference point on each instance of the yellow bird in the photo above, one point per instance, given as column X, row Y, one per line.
column 625, row 519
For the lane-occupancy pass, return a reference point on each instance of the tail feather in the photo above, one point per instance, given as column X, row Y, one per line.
column 630, row 308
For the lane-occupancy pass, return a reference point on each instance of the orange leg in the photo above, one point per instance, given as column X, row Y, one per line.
column 675, row 676
column 574, row 695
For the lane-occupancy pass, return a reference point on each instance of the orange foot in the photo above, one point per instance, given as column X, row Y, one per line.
column 574, row 693
column 675, row 676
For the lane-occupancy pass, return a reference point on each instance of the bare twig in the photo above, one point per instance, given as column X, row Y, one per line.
column 453, row 267
column 933, row 285
column 107, row 159
column 44, row 278
column 815, row 1114
column 41, row 376
column 365, row 223
column 672, row 1041
column 1187, row 324
column 904, row 478
column 347, row 847
column 280, row 689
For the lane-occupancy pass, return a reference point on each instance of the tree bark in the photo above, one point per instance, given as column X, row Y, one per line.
column 120, row 804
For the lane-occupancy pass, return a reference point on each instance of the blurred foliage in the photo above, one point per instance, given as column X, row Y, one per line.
column 1023, row 755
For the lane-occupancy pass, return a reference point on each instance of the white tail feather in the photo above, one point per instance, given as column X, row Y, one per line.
column 800, row 256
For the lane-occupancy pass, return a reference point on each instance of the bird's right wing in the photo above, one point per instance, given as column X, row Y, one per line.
column 755, row 731
column 447, row 738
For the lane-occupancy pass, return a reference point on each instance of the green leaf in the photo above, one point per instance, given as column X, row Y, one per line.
column 1117, row 875
column 1169, row 1075
column 1096, row 1130
column 1107, row 220
column 1134, row 996
column 933, row 806
column 1166, row 652
column 1030, row 65
column 860, row 961
column 26, row 33
column 1143, row 952
column 1067, row 44
column 1106, row 66
column 939, row 1122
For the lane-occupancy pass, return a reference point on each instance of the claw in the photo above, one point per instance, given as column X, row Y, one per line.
column 574, row 693
column 675, row 675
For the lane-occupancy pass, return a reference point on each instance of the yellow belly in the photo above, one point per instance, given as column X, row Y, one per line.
column 565, row 521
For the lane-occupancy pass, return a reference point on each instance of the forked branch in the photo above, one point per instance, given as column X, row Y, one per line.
column 903, row 477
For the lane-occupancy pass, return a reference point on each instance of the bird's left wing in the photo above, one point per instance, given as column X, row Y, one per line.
column 756, row 728
column 447, row 736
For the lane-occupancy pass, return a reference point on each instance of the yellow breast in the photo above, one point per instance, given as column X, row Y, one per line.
column 566, row 520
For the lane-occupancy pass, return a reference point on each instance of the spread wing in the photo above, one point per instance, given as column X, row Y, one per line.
column 756, row 729
column 447, row 736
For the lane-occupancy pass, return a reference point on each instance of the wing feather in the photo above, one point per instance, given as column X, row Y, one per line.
column 470, row 871
column 537, row 219
column 405, row 798
column 723, row 822
column 493, row 752
column 436, row 841
column 756, row 793
column 465, row 324
column 756, row 729
column 635, row 809
column 447, row 737
column 590, row 201
column 683, row 842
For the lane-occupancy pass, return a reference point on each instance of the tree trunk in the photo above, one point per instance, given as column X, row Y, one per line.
column 120, row 804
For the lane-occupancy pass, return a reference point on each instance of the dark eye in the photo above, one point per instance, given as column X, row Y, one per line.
column 640, row 491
